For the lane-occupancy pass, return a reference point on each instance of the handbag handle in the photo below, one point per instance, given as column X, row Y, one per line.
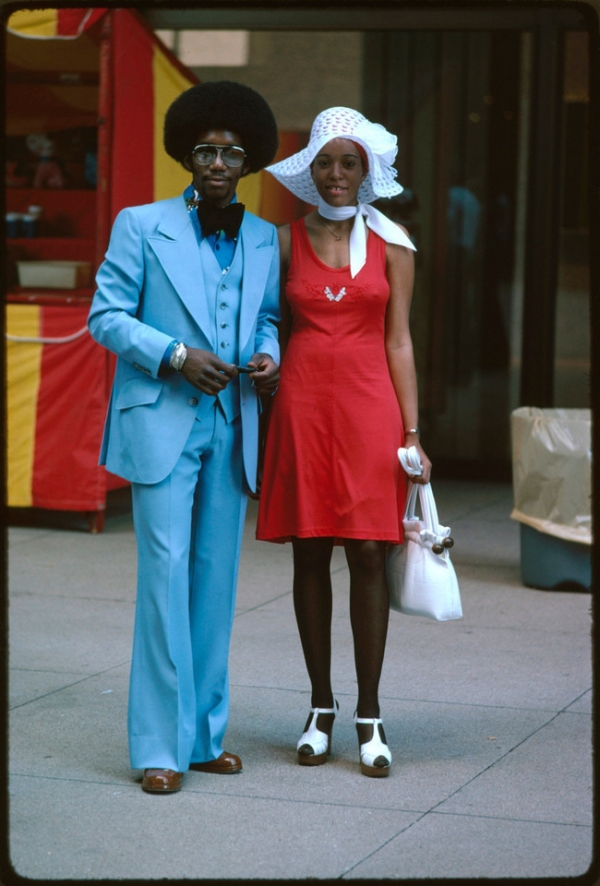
column 411, row 463
column 428, row 506
column 440, row 535
column 411, row 500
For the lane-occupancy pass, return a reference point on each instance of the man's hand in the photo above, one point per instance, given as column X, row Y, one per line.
column 205, row 371
column 266, row 377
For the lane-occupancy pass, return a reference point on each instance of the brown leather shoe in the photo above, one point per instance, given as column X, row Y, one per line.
column 161, row 781
column 226, row 764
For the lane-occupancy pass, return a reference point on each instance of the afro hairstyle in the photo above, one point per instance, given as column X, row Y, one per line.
column 222, row 104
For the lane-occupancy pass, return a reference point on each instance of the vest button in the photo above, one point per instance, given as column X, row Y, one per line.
column 223, row 305
column 193, row 401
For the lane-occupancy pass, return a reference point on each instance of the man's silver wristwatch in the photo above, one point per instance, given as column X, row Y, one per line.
column 178, row 356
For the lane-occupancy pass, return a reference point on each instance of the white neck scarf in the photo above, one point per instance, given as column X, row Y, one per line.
column 378, row 222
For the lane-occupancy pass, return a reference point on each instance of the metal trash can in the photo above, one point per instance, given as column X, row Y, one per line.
column 552, row 479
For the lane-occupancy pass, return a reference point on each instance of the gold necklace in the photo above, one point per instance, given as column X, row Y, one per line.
column 328, row 229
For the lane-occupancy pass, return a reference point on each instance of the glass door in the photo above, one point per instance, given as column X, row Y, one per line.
column 459, row 112
column 572, row 336
column 462, row 104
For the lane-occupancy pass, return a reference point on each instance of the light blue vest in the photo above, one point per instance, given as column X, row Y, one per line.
column 224, row 292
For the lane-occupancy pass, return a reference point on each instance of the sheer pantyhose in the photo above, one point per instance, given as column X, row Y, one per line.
column 369, row 613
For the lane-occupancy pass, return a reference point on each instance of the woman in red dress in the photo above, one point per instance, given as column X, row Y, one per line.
column 347, row 400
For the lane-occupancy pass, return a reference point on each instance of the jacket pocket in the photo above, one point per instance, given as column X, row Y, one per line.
column 138, row 392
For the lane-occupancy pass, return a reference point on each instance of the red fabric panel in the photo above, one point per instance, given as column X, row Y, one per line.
column 132, row 172
column 73, row 21
column 70, row 416
column 114, row 482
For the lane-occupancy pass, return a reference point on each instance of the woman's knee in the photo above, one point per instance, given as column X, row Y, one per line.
column 365, row 555
column 312, row 554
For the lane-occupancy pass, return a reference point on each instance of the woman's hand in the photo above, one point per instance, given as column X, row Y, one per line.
column 413, row 440
column 266, row 377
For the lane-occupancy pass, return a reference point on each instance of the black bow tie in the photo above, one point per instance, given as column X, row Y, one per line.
column 214, row 219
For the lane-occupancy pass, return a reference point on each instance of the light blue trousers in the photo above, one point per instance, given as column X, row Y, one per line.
column 189, row 531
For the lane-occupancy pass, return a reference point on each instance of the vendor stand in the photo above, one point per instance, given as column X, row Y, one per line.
column 86, row 94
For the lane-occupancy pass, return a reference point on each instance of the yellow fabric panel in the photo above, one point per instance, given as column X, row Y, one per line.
column 249, row 191
column 23, row 373
column 169, row 177
column 34, row 22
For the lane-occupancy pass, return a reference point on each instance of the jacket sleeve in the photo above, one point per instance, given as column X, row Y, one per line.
column 113, row 319
column 267, row 341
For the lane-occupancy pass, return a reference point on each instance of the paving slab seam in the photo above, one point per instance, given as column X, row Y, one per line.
column 66, row 685
column 494, row 629
column 542, row 821
column 291, row 801
column 407, row 828
column 338, row 569
column 262, row 605
column 286, row 691
column 495, row 763
column 124, row 601
column 382, row 846
column 392, row 699
column 259, row 798
column 18, row 669
column 134, row 786
column 431, row 812
column 575, row 700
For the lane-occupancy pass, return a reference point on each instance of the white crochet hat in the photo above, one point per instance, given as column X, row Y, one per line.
column 379, row 145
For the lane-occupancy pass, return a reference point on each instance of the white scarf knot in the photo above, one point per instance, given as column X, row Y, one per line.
column 379, row 223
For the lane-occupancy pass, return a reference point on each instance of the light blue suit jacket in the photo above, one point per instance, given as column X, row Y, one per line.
column 151, row 291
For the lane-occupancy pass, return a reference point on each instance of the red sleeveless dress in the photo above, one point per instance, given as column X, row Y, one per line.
column 331, row 464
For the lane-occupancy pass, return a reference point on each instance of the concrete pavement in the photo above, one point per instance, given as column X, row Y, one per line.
column 488, row 719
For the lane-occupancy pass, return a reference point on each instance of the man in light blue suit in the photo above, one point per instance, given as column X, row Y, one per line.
column 188, row 299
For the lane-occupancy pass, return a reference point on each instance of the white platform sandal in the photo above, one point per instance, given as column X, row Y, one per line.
column 375, row 756
column 315, row 746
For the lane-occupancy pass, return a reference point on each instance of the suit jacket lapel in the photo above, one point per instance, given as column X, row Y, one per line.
column 257, row 257
column 176, row 247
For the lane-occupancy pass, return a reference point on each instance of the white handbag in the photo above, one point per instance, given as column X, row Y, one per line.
column 420, row 575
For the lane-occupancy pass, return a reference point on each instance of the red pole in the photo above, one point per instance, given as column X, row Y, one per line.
column 105, row 104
